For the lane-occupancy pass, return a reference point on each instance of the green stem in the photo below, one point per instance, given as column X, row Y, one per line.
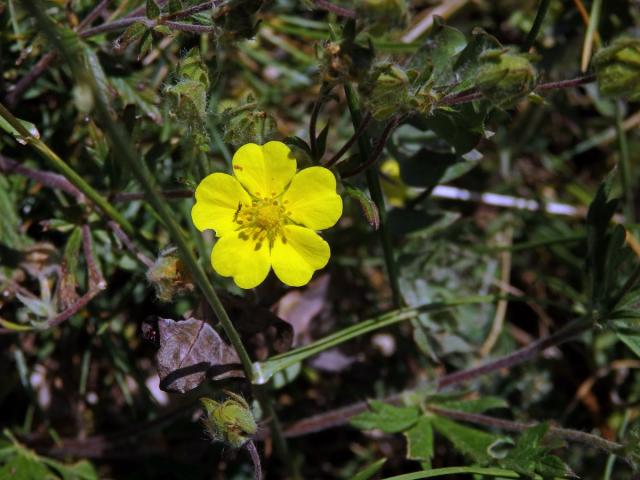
column 123, row 152
column 265, row 370
column 373, row 181
column 441, row 472
column 625, row 165
column 594, row 20
column 543, row 6
column 68, row 172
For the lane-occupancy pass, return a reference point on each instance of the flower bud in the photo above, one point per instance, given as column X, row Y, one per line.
column 230, row 421
column 247, row 123
column 169, row 276
column 618, row 68
column 386, row 92
column 505, row 77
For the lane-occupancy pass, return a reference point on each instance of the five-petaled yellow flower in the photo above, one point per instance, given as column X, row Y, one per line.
column 267, row 216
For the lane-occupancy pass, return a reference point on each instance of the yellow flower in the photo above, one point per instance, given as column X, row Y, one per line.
column 266, row 216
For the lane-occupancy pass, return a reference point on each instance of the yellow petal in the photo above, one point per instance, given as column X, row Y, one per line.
column 312, row 199
column 264, row 170
column 236, row 255
column 302, row 253
column 217, row 199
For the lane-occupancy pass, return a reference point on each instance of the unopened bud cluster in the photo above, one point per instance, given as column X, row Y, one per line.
column 505, row 77
column 230, row 421
column 618, row 68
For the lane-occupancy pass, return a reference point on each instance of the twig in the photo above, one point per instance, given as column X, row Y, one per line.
column 43, row 64
column 96, row 282
column 465, row 97
column 341, row 416
column 568, row 332
column 338, row 10
column 93, row 14
column 255, row 458
column 554, row 432
column 48, row 179
column 349, row 143
column 124, row 238
column 378, row 148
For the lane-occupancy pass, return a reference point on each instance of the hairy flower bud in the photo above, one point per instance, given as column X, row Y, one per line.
column 618, row 68
column 505, row 77
column 230, row 421
column 386, row 92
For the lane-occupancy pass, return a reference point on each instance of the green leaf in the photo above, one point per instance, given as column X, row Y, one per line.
column 153, row 10
column 367, row 205
column 444, row 44
column 32, row 129
column 469, row 441
column 468, row 62
column 632, row 341
column 131, row 34
column 476, row 405
column 370, row 470
column 551, row 466
column 386, row 417
column 420, row 441
column 23, row 467
column 462, row 128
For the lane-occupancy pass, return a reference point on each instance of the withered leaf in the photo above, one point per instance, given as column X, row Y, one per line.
column 191, row 351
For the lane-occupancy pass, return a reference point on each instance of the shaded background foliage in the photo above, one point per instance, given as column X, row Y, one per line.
column 190, row 84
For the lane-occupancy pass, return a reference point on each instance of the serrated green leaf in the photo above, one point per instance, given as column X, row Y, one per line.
column 551, row 466
column 476, row 405
column 420, row 441
column 386, row 417
column 469, row 441
column 370, row 470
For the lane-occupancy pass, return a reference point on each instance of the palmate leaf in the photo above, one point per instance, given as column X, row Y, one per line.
column 470, row 441
column 386, row 417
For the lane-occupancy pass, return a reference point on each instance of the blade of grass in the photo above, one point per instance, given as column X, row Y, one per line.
column 594, row 20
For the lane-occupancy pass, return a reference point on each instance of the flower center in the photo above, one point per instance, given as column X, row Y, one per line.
column 268, row 216
column 261, row 220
